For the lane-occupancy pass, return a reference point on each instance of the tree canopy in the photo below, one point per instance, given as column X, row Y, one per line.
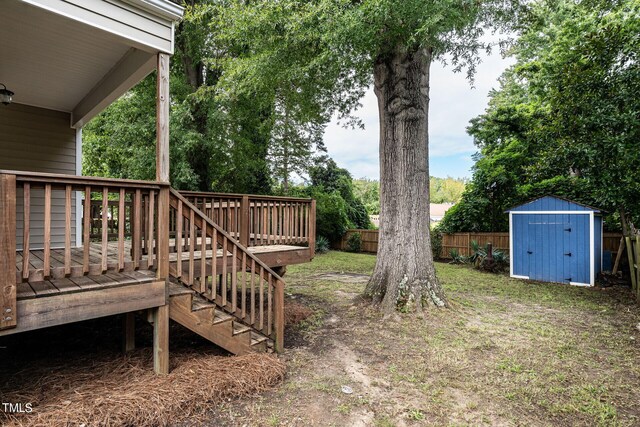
column 565, row 118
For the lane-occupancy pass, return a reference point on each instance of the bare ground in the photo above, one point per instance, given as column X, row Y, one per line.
column 508, row 353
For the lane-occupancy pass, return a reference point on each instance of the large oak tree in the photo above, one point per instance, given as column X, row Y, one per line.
column 331, row 51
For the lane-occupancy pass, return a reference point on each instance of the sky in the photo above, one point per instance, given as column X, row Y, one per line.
column 453, row 103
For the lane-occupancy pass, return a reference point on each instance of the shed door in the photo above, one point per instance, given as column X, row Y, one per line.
column 580, row 249
column 558, row 248
column 548, row 241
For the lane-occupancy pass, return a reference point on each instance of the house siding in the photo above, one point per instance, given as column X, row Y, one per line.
column 39, row 140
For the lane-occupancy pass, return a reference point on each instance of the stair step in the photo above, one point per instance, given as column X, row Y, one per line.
column 177, row 289
column 201, row 304
column 257, row 338
column 221, row 317
column 239, row 328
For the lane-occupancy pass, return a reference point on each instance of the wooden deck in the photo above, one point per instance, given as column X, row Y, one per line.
column 37, row 286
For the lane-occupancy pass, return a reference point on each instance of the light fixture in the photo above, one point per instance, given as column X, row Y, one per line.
column 6, row 96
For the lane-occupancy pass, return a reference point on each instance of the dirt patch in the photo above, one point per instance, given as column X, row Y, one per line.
column 295, row 312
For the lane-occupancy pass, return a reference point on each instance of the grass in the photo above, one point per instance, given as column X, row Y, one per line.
column 507, row 352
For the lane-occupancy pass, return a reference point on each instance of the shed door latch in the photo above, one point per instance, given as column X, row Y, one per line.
column 568, row 229
column 568, row 280
column 529, row 252
column 568, row 254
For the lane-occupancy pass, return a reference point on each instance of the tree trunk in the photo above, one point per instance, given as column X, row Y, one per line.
column 404, row 277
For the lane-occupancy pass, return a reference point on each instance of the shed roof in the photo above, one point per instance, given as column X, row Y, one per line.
column 553, row 203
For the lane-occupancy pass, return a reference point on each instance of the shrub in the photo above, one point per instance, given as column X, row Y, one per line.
column 436, row 243
column 456, row 258
column 354, row 243
column 322, row 245
column 331, row 216
column 480, row 261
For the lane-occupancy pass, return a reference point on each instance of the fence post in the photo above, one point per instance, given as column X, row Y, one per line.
column 312, row 229
column 7, row 251
column 244, row 230
column 632, row 271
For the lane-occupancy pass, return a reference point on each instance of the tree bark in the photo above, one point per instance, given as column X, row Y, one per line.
column 404, row 277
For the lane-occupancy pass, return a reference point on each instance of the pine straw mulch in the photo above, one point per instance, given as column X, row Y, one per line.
column 295, row 312
column 124, row 391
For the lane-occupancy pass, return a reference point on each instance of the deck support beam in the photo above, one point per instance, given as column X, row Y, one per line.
column 128, row 332
column 161, row 340
column 161, row 314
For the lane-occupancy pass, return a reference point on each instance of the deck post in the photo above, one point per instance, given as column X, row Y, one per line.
column 161, row 340
column 7, row 251
column 129, row 332
column 161, row 314
column 312, row 229
column 279, row 316
column 244, row 221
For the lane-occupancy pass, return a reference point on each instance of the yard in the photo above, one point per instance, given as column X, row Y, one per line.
column 507, row 353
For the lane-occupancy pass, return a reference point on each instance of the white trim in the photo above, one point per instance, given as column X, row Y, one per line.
column 78, row 193
column 520, row 277
column 163, row 8
column 150, row 45
column 510, row 244
column 552, row 212
column 580, row 284
column 592, row 250
column 602, row 244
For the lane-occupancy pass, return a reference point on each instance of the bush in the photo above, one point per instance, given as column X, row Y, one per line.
column 456, row 258
column 480, row 261
column 322, row 245
column 354, row 243
column 436, row 243
column 331, row 216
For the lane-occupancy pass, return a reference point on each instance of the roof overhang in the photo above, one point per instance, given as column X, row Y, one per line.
column 78, row 56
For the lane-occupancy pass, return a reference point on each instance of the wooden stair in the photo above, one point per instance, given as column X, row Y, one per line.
column 204, row 318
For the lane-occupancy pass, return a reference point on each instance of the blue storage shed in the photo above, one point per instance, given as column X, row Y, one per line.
column 555, row 240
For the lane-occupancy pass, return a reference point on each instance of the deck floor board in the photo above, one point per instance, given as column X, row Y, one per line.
column 39, row 286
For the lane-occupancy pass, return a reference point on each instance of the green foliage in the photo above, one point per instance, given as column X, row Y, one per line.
column 331, row 216
column 436, row 243
column 327, row 177
column 354, row 243
column 456, row 257
column 322, row 245
column 442, row 190
column 446, row 190
column 369, row 192
column 564, row 120
column 479, row 259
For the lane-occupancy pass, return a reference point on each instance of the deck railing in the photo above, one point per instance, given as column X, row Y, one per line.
column 260, row 220
column 114, row 217
column 232, row 277
column 38, row 240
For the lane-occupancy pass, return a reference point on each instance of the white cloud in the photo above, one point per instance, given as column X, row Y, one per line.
column 453, row 103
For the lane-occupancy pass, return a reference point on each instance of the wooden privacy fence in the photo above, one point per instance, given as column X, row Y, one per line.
column 369, row 240
column 462, row 242
column 500, row 240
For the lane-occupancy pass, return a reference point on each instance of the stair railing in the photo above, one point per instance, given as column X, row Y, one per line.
column 213, row 263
